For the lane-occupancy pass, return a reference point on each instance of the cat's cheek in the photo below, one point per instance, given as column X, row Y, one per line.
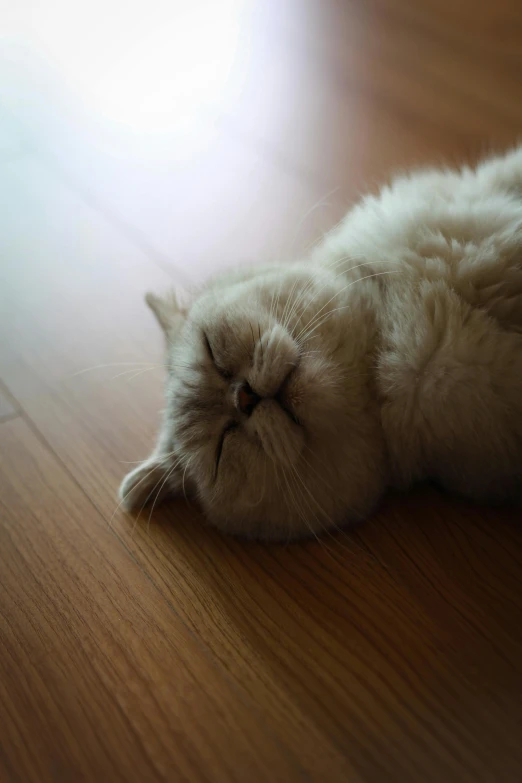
column 282, row 440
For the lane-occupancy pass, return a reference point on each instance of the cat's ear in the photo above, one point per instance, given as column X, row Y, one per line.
column 168, row 311
column 150, row 482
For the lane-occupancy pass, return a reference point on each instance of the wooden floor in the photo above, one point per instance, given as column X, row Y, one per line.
column 142, row 146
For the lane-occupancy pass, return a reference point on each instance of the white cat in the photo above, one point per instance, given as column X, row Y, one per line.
column 297, row 394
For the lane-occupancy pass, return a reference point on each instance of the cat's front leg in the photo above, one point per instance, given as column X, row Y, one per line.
column 155, row 478
column 146, row 483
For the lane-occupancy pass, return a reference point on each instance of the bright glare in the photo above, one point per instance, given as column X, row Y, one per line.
column 145, row 65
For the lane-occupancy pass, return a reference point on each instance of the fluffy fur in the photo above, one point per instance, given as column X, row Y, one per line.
column 392, row 355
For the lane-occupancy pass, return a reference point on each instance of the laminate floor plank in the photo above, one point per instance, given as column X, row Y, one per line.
column 154, row 648
column 391, row 651
column 99, row 678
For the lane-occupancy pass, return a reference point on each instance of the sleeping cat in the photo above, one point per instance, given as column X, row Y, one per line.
column 297, row 394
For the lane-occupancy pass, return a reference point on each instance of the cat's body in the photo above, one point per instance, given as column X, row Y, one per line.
column 392, row 355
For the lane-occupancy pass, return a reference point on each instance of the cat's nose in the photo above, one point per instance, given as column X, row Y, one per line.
column 247, row 399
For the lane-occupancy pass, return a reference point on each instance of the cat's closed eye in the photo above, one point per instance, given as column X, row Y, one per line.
column 225, row 374
column 230, row 427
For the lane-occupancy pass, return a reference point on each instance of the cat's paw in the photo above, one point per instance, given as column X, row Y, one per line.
column 142, row 485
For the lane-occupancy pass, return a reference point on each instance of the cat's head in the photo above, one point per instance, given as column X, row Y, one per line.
column 270, row 420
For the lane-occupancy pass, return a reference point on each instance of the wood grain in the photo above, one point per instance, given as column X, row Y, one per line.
column 156, row 649
column 99, row 676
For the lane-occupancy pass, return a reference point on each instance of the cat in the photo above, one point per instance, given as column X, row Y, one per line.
column 298, row 393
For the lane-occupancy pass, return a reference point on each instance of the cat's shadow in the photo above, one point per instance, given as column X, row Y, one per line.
column 411, row 568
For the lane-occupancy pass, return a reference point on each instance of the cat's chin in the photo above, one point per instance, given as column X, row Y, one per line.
column 272, row 525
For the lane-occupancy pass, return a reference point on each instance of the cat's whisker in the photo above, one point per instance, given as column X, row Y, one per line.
column 298, row 478
column 253, row 338
column 304, row 339
column 303, row 512
column 283, row 314
column 179, row 366
column 113, row 364
column 319, row 203
column 298, row 298
column 124, row 498
column 145, row 502
column 260, row 342
column 331, row 524
column 322, row 320
column 352, row 283
column 326, row 483
column 134, row 374
column 295, row 502
column 144, row 367
column 331, row 267
column 164, row 457
column 321, row 543
column 183, row 481
column 289, row 304
column 158, row 493
column 342, row 290
column 321, row 289
column 245, row 346
column 278, row 299
column 316, row 242
column 271, row 311
column 263, row 490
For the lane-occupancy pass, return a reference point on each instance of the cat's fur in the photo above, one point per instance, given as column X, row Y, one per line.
column 392, row 355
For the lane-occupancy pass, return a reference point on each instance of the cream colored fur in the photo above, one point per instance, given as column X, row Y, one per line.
column 392, row 355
